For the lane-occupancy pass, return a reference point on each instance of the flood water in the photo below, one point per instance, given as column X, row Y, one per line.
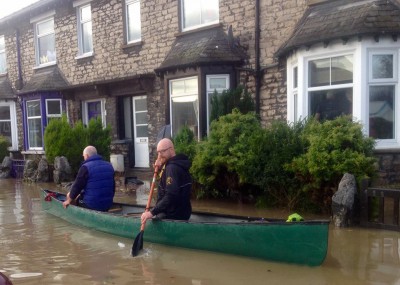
column 37, row 248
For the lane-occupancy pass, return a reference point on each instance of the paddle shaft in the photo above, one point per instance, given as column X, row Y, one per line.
column 153, row 183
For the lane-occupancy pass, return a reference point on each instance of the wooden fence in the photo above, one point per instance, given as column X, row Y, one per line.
column 379, row 207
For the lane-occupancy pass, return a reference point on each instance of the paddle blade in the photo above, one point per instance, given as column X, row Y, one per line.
column 137, row 244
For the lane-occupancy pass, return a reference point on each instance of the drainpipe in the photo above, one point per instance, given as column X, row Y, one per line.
column 257, row 56
column 18, row 84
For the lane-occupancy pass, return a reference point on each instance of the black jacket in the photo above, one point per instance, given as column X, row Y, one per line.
column 174, row 189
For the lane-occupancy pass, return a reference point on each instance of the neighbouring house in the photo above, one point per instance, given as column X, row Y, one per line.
column 141, row 65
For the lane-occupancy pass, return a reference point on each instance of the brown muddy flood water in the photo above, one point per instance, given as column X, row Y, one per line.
column 37, row 248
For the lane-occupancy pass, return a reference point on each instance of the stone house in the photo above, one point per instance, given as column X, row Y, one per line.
column 141, row 65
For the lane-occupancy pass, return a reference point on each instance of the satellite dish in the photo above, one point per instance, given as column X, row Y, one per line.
column 165, row 132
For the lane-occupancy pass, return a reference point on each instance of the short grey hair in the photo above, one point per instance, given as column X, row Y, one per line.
column 90, row 150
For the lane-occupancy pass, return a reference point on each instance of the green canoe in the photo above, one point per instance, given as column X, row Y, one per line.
column 270, row 239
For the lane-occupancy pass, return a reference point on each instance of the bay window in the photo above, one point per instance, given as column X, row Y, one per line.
column 358, row 79
column 34, row 118
column 8, row 123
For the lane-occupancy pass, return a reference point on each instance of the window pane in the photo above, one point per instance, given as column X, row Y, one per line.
column 184, row 113
column 191, row 86
column 141, row 118
column 5, row 113
column 47, row 51
column 319, row 72
column 2, row 43
column 3, row 65
column 381, row 112
column 218, row 83
column 86, row 14
column 45, row 27
column 35, row 133
column 142, row 131
column 200, row 12
column 329, row 104
column 94, row 110
column 5, row 130
column 53, row 107
column 177, row 87
column 33, row 108
column 141, row 105
column 382, row 66
column 134, row 23
column 295, row 77
column 342, row 70
column 87, row 42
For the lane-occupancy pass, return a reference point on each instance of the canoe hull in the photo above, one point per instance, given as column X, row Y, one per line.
column 300, row 242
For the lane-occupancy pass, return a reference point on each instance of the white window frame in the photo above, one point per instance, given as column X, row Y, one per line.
column 85, row 111
column 361, row 79
column 128, row 19
column 182, row 96
column 210, row 92
column 203, row 4
column 80, row 5
column 53, row 115
column 34, row 118
column 49, row 16
column 3, row 69
column 13, row 121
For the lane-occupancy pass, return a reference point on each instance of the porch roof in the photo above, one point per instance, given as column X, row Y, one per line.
column 343, row 19
column 45, row 79
column 6, row 91
column 210, row 46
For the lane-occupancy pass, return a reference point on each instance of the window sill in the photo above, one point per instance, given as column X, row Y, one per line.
column 84, row 56
column 45, row 65
column 32, row 152
column 213, row 26
column 131, row 45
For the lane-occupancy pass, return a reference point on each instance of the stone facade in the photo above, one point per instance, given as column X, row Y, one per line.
column 117, row 69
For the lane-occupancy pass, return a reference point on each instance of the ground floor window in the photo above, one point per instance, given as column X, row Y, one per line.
column 359, row 78
column 184, row 104
column 38, row 110
column 8, row 123
column 92, row 109
column 216, row 84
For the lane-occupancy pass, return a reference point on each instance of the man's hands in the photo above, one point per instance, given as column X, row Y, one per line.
column 146, row 215
column 67, row 201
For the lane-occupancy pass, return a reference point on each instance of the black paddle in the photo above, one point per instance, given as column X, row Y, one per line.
column 138, row 243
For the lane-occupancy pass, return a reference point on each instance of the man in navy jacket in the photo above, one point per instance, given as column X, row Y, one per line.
column 94, row 185
column 175, row 185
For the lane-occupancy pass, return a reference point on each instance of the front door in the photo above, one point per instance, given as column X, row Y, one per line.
column 141, row 138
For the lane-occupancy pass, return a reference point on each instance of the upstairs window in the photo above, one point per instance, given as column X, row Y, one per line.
column 45, row 42
column 199, row 13
column 133, row 21
column 3, row 63
column 84, row 22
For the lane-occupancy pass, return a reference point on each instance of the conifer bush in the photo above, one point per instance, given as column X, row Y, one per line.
column 4, row 145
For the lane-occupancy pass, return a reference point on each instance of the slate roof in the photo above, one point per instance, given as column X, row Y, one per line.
column 211, row 46
column 45, row 79
column 343, row 19
column 6, row 91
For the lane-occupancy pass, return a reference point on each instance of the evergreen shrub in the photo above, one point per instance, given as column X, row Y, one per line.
column 4, row 145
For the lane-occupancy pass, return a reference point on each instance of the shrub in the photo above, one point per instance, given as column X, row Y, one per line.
column 4, row 144
column 334, row 148
column 60, row 139
column 216, row 164
column 185, row 142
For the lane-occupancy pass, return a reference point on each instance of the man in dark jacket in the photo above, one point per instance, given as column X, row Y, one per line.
column 175, row 185
column 94, row 186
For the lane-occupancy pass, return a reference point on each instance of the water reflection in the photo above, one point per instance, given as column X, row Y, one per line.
column 37, row 248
